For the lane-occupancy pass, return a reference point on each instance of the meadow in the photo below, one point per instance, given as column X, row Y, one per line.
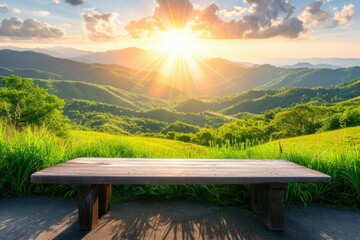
column 336, row 153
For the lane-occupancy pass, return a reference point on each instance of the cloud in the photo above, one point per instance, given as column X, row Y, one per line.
column 344, row 16
column 99, row 27
column 74, row 2
column 167, row 14
column 4, row 8
column 29, row 28
column 265, row 19
column 56, row 2
column 313, row 15
column 42, row 13
column 173, row 13
column 234, row 11
column 16, row 10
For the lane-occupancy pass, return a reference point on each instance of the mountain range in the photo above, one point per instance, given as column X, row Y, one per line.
column 143, row 75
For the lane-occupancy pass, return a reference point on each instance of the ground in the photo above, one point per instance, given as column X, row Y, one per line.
column 39, row 217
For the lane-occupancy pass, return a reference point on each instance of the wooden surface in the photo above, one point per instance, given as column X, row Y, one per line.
column 176, row 171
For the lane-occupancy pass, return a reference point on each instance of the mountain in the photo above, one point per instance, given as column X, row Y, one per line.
column 110, row 75
column 70, row 90
column 341, row 62
column 308, row 65
column 135, row 58
column 260, row 101
column 61, row 52
column 163, row 79
column 29, row 73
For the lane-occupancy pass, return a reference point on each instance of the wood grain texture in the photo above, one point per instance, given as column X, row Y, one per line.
column 88, row 206
column 176, row 171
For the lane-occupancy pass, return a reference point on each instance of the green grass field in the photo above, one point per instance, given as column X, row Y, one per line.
column 336, row 153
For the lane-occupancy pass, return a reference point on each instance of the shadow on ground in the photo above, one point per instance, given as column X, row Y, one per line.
column 45, row 218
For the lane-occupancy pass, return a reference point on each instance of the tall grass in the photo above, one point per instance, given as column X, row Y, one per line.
column 22, row 153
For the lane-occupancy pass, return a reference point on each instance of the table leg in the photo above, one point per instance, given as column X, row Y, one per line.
column 104, row 199
column 88, row 205
column 269, row 200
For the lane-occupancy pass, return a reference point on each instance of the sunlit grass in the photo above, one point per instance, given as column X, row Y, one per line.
column 22, row 153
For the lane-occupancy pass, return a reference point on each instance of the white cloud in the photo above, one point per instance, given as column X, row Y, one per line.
column 42, row 13
column 4, row 8
column 344, row 16
column 99, row 26
column 234, row 11
column 56, row 2
column 264, row 19
column 313, row 15
column 29, row 28
column 16, row 10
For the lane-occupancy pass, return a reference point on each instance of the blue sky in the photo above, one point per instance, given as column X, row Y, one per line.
column 101, row 25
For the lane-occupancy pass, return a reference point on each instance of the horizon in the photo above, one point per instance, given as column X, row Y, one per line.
column 289, row 29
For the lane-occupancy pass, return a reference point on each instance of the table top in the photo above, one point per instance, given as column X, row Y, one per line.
column 176, row 171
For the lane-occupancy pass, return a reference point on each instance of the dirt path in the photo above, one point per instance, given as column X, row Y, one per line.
column 44, row 218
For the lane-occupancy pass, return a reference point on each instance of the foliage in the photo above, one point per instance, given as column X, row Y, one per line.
column 22, row 153
column 24, row 103
column 180, row 128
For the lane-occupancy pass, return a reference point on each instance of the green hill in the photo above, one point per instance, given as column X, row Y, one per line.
column 260, row 101
column 28, row 73
column 110, row 75
column 70, row 90
column 220, row 77
column 96, row 114
column 319, row 142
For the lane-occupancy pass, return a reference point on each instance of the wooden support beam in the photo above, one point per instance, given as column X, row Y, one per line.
column 268, row 199
column 104, row 199
column 273, row 214
column 88, row 205
column 256, row 197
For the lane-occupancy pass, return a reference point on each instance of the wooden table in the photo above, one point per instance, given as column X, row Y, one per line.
column 92, row 179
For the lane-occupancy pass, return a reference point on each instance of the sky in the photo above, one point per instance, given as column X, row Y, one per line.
column 234, row 29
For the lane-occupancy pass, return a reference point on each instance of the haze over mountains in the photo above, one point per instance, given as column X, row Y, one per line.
column 140, row 71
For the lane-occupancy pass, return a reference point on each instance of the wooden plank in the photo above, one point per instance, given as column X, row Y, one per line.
column 88, row 203
column 176, row 171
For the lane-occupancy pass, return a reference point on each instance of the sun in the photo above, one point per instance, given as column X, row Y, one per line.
column 179, row 61
column 178, row 42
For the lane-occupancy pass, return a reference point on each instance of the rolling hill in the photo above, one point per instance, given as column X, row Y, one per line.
column 110, row 75
column 214, row 76
column 260, row 101
column 70, row 90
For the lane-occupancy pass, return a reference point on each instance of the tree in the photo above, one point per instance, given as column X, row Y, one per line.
column 24, row 103
column 296, row 121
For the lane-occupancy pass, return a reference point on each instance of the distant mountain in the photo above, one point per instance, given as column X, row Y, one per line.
column 135, row 58
column 308, row 65
column 204, row 77
column 111, row 75
column 61, row 52
column 341, row 62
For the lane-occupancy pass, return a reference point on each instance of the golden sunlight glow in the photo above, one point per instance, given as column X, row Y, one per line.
column 180, row 66
column 178, row 41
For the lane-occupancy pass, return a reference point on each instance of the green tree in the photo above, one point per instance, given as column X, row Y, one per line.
column 296, row 121
column 24, row 103
column 350, row 118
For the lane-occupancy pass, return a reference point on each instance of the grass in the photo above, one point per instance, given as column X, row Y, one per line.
column 335, row 153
